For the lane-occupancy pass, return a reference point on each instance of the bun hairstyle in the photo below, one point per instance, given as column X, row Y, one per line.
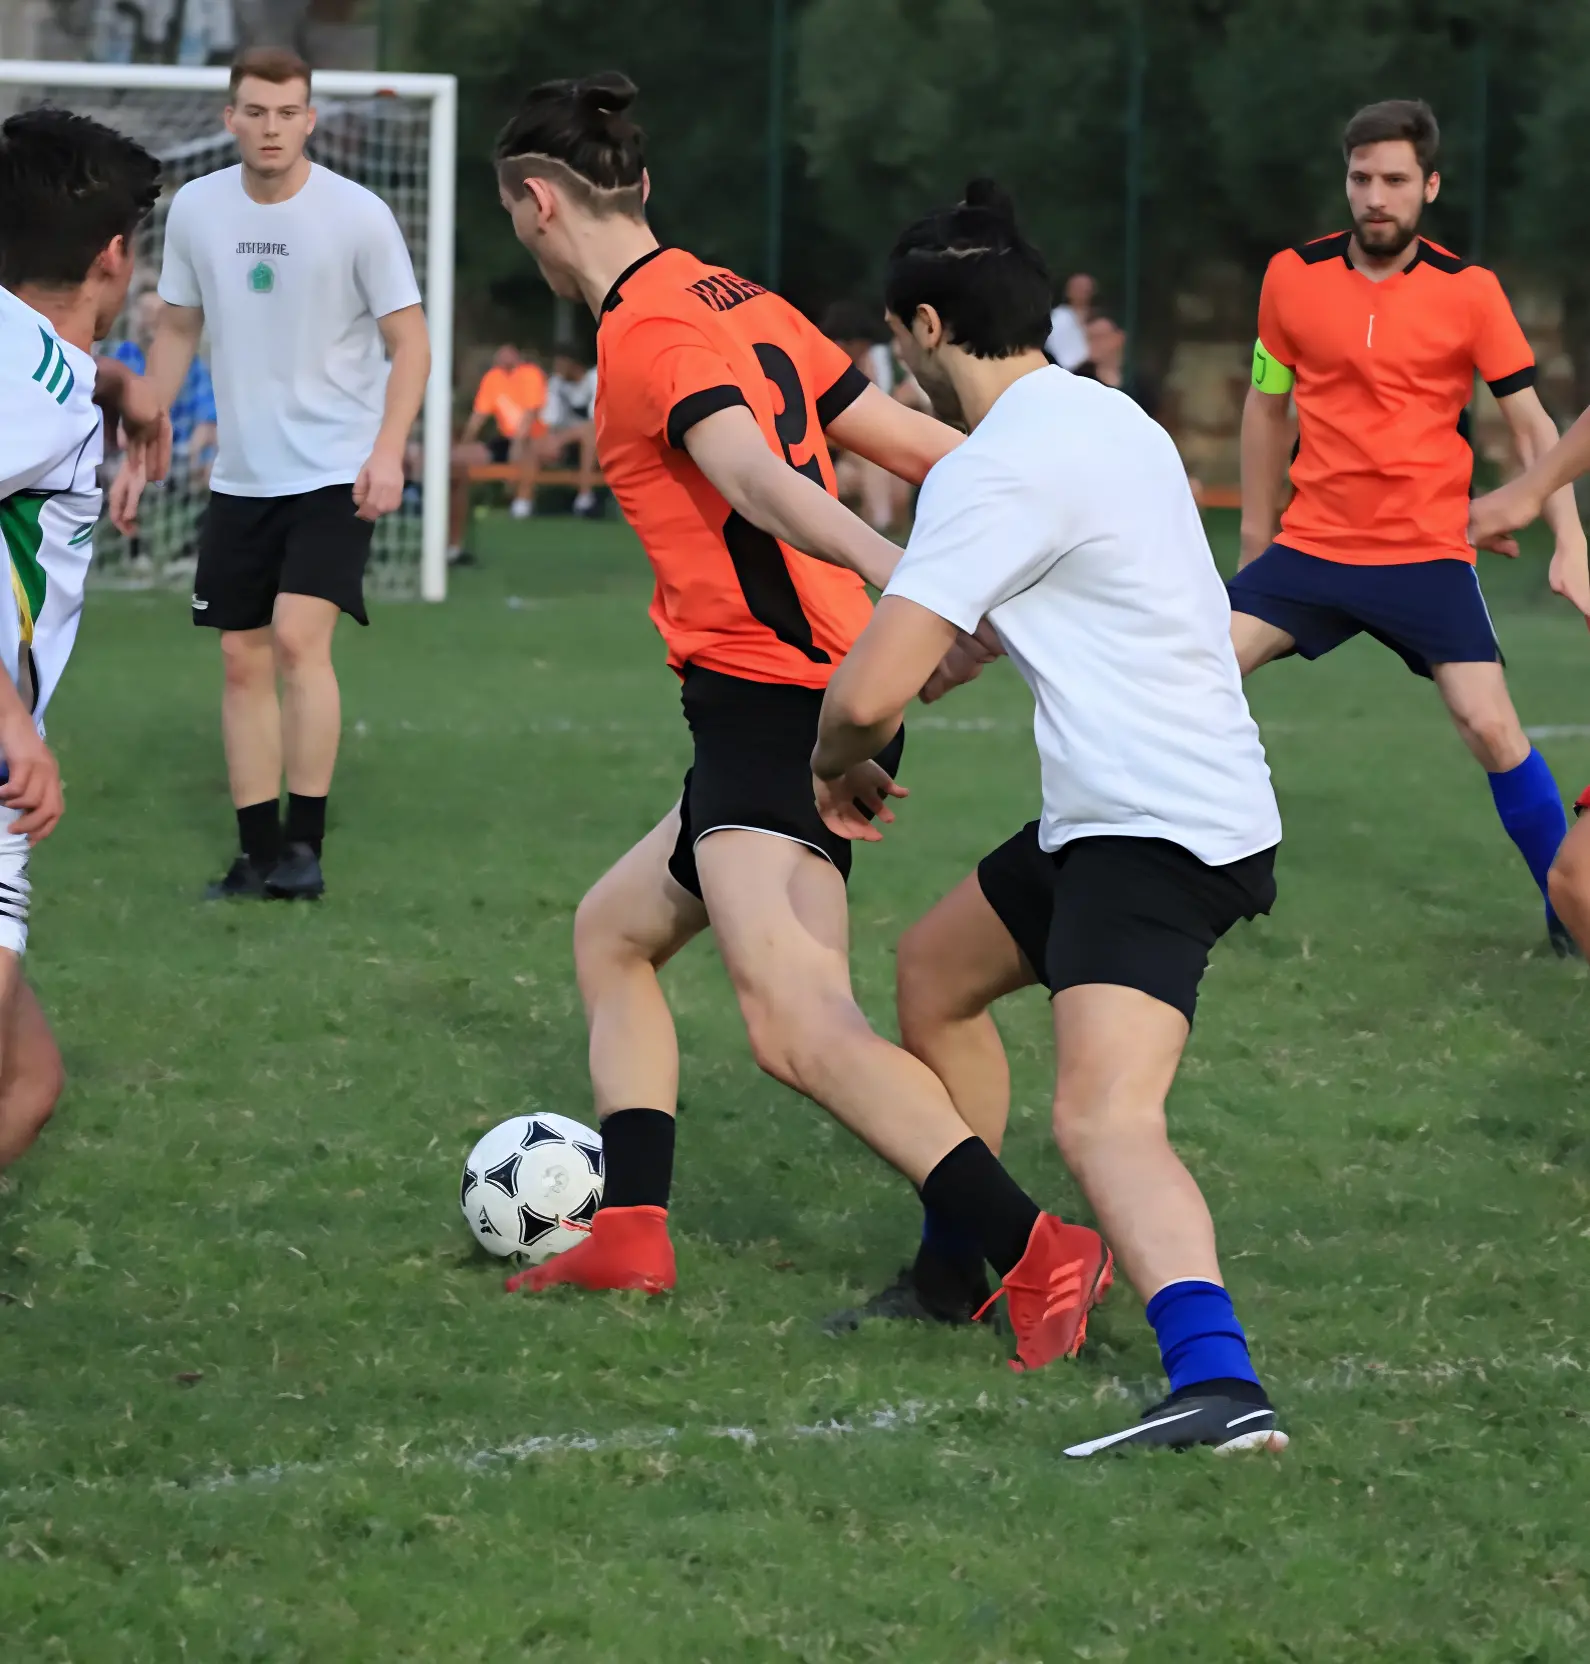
column 972, row 265
column 579, row 135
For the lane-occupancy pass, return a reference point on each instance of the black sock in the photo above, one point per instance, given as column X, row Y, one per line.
column 971, row 1189
column 306, row 821
column 637, row 1158
column 950, row 1285
column 259, row 832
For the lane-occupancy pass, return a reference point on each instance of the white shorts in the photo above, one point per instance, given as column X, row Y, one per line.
column 14, row 887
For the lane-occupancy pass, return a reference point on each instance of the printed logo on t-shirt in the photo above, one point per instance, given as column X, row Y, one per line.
column 262, row 277
column 723, row 291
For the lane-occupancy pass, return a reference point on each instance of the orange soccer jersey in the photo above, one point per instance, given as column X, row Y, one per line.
column 507, row 396
column 677, row 342
column 1383, row 372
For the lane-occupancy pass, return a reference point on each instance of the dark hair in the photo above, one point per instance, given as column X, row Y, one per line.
column 1396, row 118
column 577, row 134
column 68, row 188
column 976, row 270
column 276, row 64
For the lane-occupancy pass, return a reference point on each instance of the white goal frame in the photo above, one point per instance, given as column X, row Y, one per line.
column 442, row 92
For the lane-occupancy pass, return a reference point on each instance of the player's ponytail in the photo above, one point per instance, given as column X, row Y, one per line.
column 607, row 94
column 972, row 265
column 580, row 135
column 987, row 197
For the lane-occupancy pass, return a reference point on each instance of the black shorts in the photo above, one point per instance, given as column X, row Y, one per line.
column 498, row 448
column 752, row 769
column 1427, row 612
column 252, row 549
column 1138, row 912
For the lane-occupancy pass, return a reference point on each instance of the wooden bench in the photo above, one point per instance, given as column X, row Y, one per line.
column 483, row 473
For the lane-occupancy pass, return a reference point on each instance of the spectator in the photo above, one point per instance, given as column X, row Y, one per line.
column 511, row 395
column 858, row 330
column 193, row 431
column 569, row 418
column 1106, row 362
column 1068, row 342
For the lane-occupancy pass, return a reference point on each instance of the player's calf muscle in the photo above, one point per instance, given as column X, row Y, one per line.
column 32, row 1076
column 1569, row 883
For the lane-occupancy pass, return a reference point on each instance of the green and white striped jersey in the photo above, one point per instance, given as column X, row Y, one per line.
column 50, row 449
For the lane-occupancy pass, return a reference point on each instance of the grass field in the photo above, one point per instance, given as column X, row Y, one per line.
column 260, row 1399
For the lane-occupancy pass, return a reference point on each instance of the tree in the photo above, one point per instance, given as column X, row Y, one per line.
column 704, row 106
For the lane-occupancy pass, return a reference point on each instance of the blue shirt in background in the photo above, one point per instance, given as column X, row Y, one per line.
column 193, row 405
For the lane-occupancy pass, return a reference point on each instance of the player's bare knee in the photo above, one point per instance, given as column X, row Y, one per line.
column 1495, row 738
column 918, row 984
column 298, row 650
column 800, row 1044
column 1090, row 1114
column 245, row 661
column 598, row 933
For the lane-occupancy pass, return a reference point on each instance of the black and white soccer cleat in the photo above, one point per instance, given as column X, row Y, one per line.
column 1195, row 1416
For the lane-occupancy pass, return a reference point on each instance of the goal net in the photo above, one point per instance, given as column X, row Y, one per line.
column 395, row 134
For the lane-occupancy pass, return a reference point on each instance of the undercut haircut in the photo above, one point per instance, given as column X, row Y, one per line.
column 69, row 187
column 276, row 64
column 577, row 135
column 971, row 264
column 1396, row 118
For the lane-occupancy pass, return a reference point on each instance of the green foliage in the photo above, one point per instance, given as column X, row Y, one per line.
column 895, row 103
column 256, row 1373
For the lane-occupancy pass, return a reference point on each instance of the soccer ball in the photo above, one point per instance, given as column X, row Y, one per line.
column 532, row 1186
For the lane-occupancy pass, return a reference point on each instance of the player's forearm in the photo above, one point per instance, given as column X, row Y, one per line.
column 843, row 740
column 899, row 439
column 1552, row 469
column 171, row 353
column 798, row 512
column 111, row 377
column 405, row 390
column 1265, row 431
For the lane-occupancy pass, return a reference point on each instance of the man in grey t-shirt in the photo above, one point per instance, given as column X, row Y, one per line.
column 320, row 357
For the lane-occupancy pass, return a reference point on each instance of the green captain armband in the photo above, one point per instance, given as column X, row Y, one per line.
column 1270, row 375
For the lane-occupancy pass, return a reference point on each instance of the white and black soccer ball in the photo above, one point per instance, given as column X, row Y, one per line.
column 532, row 1186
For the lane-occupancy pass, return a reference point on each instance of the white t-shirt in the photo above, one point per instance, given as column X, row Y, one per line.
column 1065, row 518
column 569, row 402
column 291, row 292
column 1068, row 339
column 51, row 442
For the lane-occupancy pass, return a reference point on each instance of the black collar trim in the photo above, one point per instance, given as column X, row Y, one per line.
column 614, row 296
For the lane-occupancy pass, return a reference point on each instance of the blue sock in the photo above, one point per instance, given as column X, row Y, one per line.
column 944, row 1238
column 1199, row 1336
column 1530, row 807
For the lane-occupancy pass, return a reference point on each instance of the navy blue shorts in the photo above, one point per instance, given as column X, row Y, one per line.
column 1427, row 612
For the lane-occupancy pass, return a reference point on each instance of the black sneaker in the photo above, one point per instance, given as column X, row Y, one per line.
column 1562, row 942
column 296, row 876
column 1195, row 1416
column 907, row 1300
column 243, row 882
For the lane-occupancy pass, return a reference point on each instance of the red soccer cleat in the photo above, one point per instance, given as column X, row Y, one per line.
column 1064, row 1274
column 627, row 1248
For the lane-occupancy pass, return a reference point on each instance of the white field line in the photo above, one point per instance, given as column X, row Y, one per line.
column 1345, row 1375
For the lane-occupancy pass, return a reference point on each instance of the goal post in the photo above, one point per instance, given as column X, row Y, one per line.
column 395, row 134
